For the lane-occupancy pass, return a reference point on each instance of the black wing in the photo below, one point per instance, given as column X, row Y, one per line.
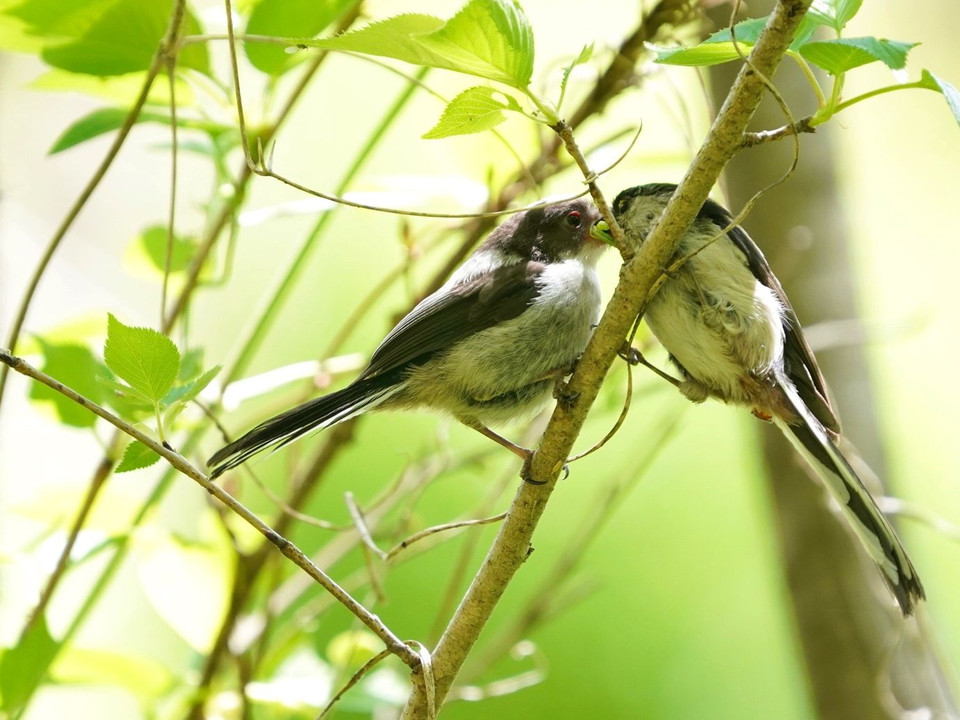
column 799, row 360
column 443, row 318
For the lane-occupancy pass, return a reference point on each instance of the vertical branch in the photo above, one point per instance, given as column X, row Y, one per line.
column 637, row 278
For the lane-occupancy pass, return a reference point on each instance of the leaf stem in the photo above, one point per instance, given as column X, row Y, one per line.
column 880, row 91
column 810, row 76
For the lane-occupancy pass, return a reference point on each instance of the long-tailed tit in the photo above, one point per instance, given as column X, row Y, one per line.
column 486, row 348
column 729, row 328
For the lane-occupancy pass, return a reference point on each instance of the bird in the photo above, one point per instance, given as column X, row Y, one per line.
column 728, row 327
column 489, row 346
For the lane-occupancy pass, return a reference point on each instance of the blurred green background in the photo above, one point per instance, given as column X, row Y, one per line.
column 681, row 607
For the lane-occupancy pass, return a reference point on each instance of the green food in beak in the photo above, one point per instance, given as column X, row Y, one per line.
column 601, row 231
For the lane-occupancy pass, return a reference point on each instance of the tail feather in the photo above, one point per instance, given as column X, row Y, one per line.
column 318, row 413
column 880, row 540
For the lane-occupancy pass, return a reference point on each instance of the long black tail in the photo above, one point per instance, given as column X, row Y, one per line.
column 318, row 413
column 813, row 441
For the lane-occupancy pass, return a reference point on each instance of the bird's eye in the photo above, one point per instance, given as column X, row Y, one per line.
column 573, row 219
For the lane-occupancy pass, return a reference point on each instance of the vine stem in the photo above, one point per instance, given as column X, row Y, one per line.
column 565, row 133
column 407, row 654
column 637, row 278
column 166, row 47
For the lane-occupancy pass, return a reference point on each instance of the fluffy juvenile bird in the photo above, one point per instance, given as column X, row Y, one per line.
column 731, row 332
column 486, row 348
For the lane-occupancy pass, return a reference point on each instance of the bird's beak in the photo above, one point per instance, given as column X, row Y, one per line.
column 601, row 231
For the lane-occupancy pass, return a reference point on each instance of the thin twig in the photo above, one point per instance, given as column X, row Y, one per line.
column 357, row 677
column 404, row 544
column 341, row 200
column 179, row 462
column 171, row 61
column 750, row 139
column 361, row 526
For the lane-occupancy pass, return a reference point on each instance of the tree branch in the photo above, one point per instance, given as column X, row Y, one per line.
column 289, row 550
column 637, row 277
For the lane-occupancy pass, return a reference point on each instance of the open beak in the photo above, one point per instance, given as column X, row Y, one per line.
column 601, row 231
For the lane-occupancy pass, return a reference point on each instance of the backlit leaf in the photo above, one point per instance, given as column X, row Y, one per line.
column 75, row 366
column 472, row 111
column 144, row 358
column 491, row 39
column 287, row 18
column 136, row 456
column 842, row 54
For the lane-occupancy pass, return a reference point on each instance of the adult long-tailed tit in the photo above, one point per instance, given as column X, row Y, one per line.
column 487, row 347
column 729, row 328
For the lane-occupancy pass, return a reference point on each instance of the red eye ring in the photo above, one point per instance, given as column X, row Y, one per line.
column 573, row 218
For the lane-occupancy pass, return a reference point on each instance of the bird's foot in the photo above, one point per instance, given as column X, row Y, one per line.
column 564, row 395
column 527, row 478
column 633, row 356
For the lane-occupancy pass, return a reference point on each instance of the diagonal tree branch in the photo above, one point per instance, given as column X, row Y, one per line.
column 637, row 278
column 289, row 550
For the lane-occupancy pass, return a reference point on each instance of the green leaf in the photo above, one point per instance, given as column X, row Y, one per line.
column 54, row 20
column 129, row 402
column 846, row 10
column 843, row 54
column 746, row 31
column 835, row 13
column 950, row 92
column 585, row 54
column 122, row 37
column 488, row 37
column 472, row 111
column 703, row 55
column 136, row 456
column 144, row 358
column 75, row 366
column 188, row 391
column 153, row 242
column 491, row 39
column 191, row 365
column 22, row 667
column 98, row 123
column 719, row 47
column 287, row 18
